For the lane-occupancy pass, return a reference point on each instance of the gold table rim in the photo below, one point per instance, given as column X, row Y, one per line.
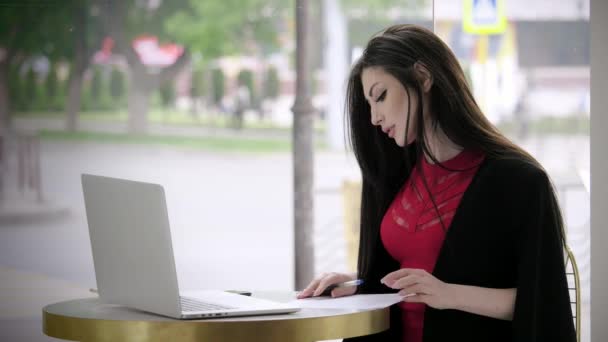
column 305, row 329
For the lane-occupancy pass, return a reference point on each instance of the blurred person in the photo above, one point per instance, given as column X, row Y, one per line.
column 457, row 219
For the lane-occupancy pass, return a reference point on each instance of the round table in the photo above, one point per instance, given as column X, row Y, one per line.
column 88, row 319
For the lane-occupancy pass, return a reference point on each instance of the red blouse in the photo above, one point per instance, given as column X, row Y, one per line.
column 411, row 229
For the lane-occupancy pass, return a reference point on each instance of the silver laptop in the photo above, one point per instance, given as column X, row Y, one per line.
column 133, row 255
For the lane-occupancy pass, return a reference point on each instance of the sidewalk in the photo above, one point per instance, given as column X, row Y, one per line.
column 23, row 295
column 17, row 209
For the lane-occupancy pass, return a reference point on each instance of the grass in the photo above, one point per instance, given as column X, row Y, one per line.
column 571, row 125
column 171, row 117
column 243, row 145
column 177, row 118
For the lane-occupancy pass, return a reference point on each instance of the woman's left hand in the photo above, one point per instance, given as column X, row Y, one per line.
column 419, row 286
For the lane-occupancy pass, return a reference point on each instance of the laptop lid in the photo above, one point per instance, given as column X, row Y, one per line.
column 131, row 244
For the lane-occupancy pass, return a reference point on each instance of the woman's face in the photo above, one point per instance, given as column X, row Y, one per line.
column 388, row 103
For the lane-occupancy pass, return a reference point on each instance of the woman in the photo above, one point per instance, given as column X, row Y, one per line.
column 455, row 217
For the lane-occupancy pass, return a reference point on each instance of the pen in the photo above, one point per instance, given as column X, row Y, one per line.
column 328, row 290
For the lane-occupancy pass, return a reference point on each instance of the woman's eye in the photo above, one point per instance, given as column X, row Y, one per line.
column 381, row 97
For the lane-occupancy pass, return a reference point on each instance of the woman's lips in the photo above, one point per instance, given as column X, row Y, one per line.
column 391, row 132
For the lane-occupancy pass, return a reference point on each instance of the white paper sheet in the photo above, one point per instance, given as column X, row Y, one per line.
column 357, row 302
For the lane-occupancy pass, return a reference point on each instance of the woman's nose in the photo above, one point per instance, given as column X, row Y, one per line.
column 375, row 117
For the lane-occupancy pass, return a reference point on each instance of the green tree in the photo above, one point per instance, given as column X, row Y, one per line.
column 218, row 28
column 27, row 29
column 230, row 27
column 84, row 39
column 41, row 28
column 124, row 20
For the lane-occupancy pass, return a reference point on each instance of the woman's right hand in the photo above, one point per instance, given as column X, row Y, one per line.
column 317, row 286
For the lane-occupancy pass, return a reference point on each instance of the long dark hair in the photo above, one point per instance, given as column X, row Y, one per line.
column 384, row 165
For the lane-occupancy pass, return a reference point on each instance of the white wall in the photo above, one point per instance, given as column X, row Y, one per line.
column 599, row 170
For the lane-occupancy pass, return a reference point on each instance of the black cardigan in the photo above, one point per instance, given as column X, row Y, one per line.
column 505, row 234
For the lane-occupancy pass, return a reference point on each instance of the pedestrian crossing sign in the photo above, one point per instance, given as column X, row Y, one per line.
column 484, row 16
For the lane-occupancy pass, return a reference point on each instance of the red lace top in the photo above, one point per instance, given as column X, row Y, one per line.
column 411, row 229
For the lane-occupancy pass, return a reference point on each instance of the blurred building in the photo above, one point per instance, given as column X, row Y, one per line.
column 538, row 67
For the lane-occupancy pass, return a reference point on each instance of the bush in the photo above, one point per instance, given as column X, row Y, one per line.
column 272, row 83
column 39, row 102
column 95, row 89
column 15, row 89
column 51, row 85
column 167, row 94
column 245, row 78
column 117, row 86
column 30, row 90
column 85, row 98
column 218, row 85
column 105, row 100
column 97, row 93
column 197, row 87
column 55, row 91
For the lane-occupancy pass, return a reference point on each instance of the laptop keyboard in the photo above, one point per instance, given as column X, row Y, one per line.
column 191, row 304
